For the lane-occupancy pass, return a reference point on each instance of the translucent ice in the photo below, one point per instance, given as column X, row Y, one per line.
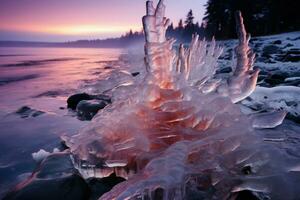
column 178, row 133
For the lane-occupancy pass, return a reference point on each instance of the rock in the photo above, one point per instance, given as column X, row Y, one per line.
column 261, row 77
column 102, row 97
column 100, row 186
column 294, row 51
column 225, row 70
column 257, row 45
column 294, row 39
column 54, row 93
column 134, row 74
column 265, row 58
column 291, row 58
column 292, row 55
column 288, row 45
column 277, row 42
column 87, row 109
column 76, row 98
column 292, row 83
column 276, row 79
column 294, row 118
column 247, row 170
column 26, row 112
column 87, row 105
column 55, row 178
column 271, row 49
column 245, row 195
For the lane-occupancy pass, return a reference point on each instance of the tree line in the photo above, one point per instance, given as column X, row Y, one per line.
column 261, row 17
column 183, row 31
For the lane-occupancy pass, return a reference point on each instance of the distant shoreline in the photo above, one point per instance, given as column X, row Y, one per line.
column 75, row 44
column 107, row 43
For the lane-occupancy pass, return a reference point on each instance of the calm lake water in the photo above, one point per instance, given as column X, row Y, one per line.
column 42, row 79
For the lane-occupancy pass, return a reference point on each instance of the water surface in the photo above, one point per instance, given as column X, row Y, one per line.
column 42, row 79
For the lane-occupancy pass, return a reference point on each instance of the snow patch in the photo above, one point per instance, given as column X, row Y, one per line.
column 285, row 98
column 42, row 154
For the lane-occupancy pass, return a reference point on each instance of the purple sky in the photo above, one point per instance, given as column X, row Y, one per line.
column 63, row 20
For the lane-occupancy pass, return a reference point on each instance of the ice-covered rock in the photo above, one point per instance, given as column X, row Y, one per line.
column 285, row 98
column 86, row 110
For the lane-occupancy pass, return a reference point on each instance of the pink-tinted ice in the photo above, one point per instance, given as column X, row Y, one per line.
column 179, row 132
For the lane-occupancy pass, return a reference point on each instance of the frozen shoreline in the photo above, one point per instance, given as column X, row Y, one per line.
column 56, row 121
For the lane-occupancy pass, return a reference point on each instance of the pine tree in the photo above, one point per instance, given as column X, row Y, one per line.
column 180, row 24
column 261, row 16
column 189, row 22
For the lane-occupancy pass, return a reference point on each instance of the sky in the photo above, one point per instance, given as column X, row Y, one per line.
column 69, row 20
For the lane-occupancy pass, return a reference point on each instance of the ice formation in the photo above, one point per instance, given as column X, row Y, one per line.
column 179, row 134
column 42, row 154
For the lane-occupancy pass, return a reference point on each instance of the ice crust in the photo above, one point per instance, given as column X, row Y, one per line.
column 179, row 132
column 284, row 98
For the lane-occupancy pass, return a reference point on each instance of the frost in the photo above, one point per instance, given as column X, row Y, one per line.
column 178, row 132
column 42, row 154
column 284, row 98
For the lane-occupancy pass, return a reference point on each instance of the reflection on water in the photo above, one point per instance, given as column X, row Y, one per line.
column 42, row 79
column 27, row 72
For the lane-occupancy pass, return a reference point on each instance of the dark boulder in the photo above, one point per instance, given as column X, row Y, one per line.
column 276, row 79
column 291, row 58
column 292, row 55
column 261, row 78
column 270, row 49
column 288, row 45
column 224, row 70
column 100, row 186
column 87, row 109
column 295, row 82
column 76, row 98
column 26, row 112
column 265, row 58
column 294, row 39
column 134, row 74
column 277, row 42
column 245, row 195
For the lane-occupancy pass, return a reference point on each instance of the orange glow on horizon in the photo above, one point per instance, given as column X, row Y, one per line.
column 90, row 29
column 76, row 29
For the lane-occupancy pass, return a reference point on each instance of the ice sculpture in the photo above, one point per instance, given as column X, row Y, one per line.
column 178, row 134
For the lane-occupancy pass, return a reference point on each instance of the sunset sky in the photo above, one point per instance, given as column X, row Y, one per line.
column 65, row 20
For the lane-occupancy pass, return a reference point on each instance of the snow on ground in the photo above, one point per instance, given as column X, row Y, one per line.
column 285, row 98
column 278, row 58
column 275, row 53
